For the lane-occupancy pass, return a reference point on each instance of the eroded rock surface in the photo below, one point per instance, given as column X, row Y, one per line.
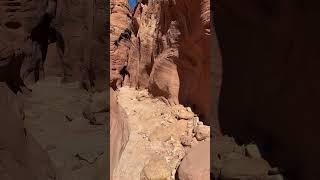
column 119, row 40
column 155, row 131
column 161, row 48
column 22, row 157
column 167, row 51
column 49, row 144
column 119, row 131
column 54, row 116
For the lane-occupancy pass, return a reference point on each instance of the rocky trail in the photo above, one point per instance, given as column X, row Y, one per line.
column 54, row 115
column 160, row 137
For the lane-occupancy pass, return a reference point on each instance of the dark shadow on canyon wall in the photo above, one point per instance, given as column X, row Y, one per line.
column 51, row 50
column 270, row 84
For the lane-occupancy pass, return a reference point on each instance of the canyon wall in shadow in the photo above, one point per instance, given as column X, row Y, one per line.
column 270, row 89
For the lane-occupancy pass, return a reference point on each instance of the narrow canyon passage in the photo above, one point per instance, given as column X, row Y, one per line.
column 160, row 137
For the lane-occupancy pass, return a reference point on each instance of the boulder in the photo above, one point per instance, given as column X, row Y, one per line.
column 156, row 169
column 196, row 164
column 202, row 132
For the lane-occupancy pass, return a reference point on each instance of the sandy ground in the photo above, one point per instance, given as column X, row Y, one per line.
column 54, row 117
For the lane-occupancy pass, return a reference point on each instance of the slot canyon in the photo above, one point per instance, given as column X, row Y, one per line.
column 160, row 78
column 198, row 90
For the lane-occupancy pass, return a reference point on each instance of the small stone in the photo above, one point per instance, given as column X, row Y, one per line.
column 252, row 151
column 188, row 109
column 202, row 132
column 186, row 140
column 200, row 123
column 184, row 114
column 141, row 96
column 156, row 169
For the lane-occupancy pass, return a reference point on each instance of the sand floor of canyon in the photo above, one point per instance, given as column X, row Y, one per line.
column 53, row 115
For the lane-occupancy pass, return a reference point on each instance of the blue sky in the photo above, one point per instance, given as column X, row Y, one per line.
column 132, row 3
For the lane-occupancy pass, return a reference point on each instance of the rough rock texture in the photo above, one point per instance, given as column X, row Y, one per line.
column 270, row 92
column 21, row 155
column 231, row 161
column 196, row 164
column 17, row 22
column 119, row 131
column 155, row 132
column 162, row 47
column 26, row 29
column 169, row 52
column 119, row 48
column 56, row 121
column 83, row 58
column 79, row 52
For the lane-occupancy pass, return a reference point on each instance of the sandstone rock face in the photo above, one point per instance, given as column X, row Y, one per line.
column 119, row 132
column 170, row 52
column 22, row 157
column 21, row 16
column 18, row 20
column 79, row 53
column 83, row 58
column 196, row 164
column 26, row 28
column 163, row 47
column 119, row 48
column 120, row 44
column 268, row 91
